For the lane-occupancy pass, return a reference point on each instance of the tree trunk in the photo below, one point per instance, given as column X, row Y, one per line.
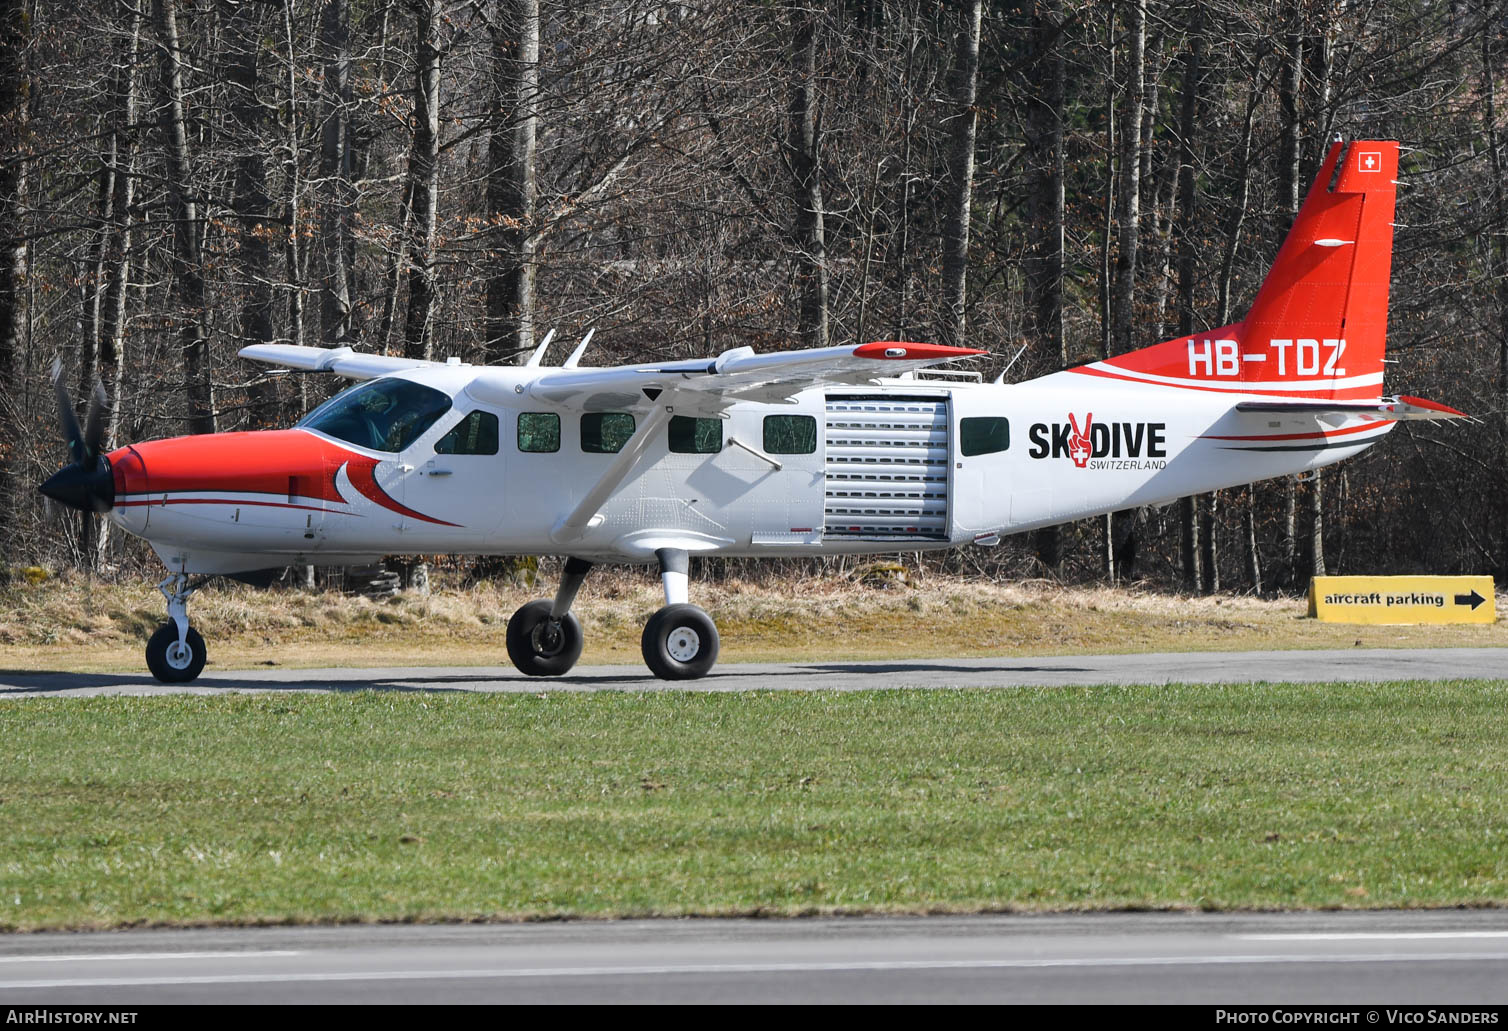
column 107, row 365
column 1317, row 524
column 336, row 192
column 511, row 183
column 292, row 255
column 1109, row 220
column 1290, row 83
column 1045, row 190
column 15, row 97
column 250, row 198
column 1209, row 559
column 903, row 214
column 1186, row 230
column 963, row 120
column 424, row 182
column 1497, row 257
column 803, row 145
column 1128, row 213
column 188, row 260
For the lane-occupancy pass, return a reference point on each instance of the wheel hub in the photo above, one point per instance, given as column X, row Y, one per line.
column 547, row 639
column 683, row 644
column 179, row 655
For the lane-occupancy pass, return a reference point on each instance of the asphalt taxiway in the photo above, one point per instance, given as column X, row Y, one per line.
column 1370, row 959
column 1359, row 664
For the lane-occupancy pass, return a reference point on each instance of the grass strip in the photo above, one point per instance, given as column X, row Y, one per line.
column 432, row 806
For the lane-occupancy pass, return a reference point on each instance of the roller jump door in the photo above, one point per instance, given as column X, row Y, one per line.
column 887, row 467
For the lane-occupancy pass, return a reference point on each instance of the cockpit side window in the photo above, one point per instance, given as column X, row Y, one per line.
column 384, row 414
column 474, row 435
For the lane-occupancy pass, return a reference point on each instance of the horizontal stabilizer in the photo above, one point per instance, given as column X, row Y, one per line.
column 1398, row 409
column 342, row 361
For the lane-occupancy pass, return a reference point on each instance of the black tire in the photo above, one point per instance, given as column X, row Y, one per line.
column 680, row 643
column 170, row 665
column 540, row 646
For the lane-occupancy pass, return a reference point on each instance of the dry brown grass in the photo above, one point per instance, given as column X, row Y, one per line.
column 67, row 624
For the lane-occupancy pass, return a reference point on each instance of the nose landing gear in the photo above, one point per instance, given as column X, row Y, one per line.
column 175, row 653
column 544, row 639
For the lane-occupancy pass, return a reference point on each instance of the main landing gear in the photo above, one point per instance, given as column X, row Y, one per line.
column 679, row 643
column 175, row 654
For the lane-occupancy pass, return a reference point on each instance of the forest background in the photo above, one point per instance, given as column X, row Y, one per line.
column 1051, row 181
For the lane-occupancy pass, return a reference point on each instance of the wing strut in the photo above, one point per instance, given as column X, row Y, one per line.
column 580, row 520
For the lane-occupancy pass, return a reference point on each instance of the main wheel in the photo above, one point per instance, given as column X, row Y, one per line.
column 680, row 643
column 540, row 646
column 171, row 662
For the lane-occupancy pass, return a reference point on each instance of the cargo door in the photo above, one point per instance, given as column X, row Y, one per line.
column 887, row 467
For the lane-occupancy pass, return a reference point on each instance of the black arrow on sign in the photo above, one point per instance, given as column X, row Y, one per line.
column 1473, row 599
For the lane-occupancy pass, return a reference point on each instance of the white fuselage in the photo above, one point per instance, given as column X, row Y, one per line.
column 907, row 464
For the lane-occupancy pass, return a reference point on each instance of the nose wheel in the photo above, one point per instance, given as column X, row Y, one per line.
column 544, row 639
column 542, row 646
column 173, row 661
column 175, row 653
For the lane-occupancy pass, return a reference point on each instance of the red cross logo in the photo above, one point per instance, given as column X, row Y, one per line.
column 1078, row 444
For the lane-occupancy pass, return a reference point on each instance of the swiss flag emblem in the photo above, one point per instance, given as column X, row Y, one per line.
column 1369, row 161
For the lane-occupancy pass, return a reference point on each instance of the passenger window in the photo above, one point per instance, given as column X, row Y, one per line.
column 474, row 435
column 790, row 434
column 605, row 433
column 983, row 436
column 690, row 436
column 538, row 432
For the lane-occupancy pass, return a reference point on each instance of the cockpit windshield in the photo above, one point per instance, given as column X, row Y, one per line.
column 384, row 415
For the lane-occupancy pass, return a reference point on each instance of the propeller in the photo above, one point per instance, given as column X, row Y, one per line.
column 86, row 483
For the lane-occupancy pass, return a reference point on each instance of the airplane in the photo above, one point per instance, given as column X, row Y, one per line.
column 847, row 449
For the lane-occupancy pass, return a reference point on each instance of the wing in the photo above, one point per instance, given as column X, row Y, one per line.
column 340, row 360
column 710, row 385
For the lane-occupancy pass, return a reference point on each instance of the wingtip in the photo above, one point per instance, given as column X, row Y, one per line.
column 906, row 350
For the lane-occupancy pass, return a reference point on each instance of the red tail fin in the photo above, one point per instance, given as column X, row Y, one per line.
column 1318, row 327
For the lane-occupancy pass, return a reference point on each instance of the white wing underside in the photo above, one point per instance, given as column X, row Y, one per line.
column 343, row 361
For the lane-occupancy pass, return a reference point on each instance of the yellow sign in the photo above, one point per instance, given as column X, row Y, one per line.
column 1402, row 599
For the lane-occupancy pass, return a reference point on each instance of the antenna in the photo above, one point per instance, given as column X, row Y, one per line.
column 570, row 363
column 1001, row 378
column 539, row 352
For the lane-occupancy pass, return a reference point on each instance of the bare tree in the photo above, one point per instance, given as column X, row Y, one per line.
column 336, row 193
column 424, row 180
column 188, row 259
column 963, row 118
column 803, row 148
column 511, row 180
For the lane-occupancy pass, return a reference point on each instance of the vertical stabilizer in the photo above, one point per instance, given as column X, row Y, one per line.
column 1318, row 327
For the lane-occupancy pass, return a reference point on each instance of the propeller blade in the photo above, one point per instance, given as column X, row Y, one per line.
column 94, row 422
column 69, row 421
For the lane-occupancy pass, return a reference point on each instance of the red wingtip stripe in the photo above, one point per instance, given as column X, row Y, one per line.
column 905, row 350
